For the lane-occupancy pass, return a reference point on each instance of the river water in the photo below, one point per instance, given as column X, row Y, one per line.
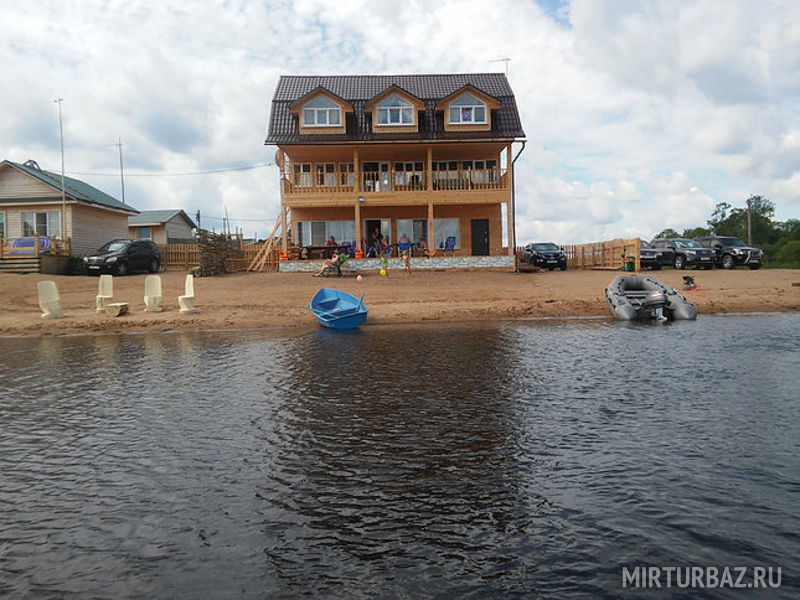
column 516, row 459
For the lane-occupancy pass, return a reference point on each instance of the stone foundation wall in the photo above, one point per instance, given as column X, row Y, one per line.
column 438, row 262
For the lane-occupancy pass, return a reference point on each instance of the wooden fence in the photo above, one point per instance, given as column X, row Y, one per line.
column 184, row 257
column 610, row 255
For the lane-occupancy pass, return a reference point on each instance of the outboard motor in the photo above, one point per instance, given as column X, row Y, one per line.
column 655, row 303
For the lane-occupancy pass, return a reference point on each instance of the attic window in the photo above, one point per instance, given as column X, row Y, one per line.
column 467, row 109
column 395, row 111
column 321, row 112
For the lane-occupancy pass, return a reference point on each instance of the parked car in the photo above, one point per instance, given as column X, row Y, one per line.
column 649, row 257
column 682, row 253
column 544, row 254
column 731, row 251
column 123, row 256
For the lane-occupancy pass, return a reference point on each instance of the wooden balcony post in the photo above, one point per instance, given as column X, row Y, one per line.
column 429, row 171
column 637, row 248
column 356, row 173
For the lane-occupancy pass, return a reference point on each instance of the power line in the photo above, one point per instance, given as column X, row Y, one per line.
column 205, row 216
column 212, row 172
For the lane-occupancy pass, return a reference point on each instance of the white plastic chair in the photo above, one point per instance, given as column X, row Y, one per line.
column 49, row 300
column 152, row 293
column 186, row 302
column 105, row 292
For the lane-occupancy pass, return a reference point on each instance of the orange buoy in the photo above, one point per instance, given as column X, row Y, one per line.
column 359, row 253
column 283, row 256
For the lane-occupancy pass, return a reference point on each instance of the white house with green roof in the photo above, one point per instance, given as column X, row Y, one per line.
column 171, row 226
column 31, row 205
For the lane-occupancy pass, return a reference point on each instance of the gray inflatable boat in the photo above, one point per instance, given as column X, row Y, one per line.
column 632, row 297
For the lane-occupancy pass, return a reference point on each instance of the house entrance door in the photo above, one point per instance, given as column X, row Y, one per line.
column 480, row 237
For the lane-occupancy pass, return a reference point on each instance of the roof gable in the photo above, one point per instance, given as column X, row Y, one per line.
column 298, row 104
column 159, row 217
column 394, row 89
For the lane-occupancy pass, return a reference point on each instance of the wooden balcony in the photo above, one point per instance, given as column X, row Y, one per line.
column 400, row 182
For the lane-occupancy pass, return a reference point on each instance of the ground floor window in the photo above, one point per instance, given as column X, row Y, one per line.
column 145, row 233
column 42, row 223
column 2, row 225
column 443, row 229
column 316, row 233
column 414, row 229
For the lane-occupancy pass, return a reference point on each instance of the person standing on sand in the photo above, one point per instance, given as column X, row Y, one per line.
column 406, row 262
column 384, row 265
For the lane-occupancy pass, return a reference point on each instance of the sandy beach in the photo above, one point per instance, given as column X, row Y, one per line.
column 273, row 300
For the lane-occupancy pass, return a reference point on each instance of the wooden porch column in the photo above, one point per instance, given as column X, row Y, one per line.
column 430, row 226
column 429, row 176
column 358, row 223
column 356, row 174
column 285, row 238
column 512, row 243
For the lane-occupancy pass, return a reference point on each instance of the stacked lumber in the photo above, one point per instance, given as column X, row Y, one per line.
column 215, row 249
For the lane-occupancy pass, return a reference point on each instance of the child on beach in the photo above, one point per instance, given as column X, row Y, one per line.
column 385, row 264
column 406, row 262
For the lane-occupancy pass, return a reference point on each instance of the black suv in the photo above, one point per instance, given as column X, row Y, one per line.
column 122, row 256
column 731, row 251
column 680, row 253
column 649, row 257
column 544, row 254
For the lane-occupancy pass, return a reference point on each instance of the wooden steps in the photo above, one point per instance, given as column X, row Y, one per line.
column 20, row 264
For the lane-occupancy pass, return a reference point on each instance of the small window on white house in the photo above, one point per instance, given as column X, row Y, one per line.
column 321, row 112
column 42, row 223
column 467, row 110
column 394, row 111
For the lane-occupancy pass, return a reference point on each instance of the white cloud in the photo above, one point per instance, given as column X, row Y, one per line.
column 639, row 115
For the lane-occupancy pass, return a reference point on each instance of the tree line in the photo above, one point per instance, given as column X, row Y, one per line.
column 780, row 240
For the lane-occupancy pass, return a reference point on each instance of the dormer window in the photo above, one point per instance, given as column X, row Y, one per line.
column 321, row 112
column 395, row 111
column 467, row 110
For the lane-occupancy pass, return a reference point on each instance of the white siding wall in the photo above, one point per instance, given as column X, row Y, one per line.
column 16, row 184
column 93, row 227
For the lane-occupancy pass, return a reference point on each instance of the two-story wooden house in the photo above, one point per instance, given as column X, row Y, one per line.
column 418, row 157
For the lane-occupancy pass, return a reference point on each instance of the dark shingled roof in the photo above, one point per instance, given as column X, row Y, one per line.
column 358, row 89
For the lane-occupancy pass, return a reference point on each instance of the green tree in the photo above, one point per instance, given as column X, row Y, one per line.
column 695, row 232
column 668, row 233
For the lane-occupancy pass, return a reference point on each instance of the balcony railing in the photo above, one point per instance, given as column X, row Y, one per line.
column 396, row 181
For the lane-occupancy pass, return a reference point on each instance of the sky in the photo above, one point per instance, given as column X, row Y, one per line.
column 639, row 115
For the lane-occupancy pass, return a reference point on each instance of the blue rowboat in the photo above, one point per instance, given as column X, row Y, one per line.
column 338, row 310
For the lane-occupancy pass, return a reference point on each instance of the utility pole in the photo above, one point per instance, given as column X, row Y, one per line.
column 198, row 218
column 121, row 177
column 63, row 187
column 749, row 225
